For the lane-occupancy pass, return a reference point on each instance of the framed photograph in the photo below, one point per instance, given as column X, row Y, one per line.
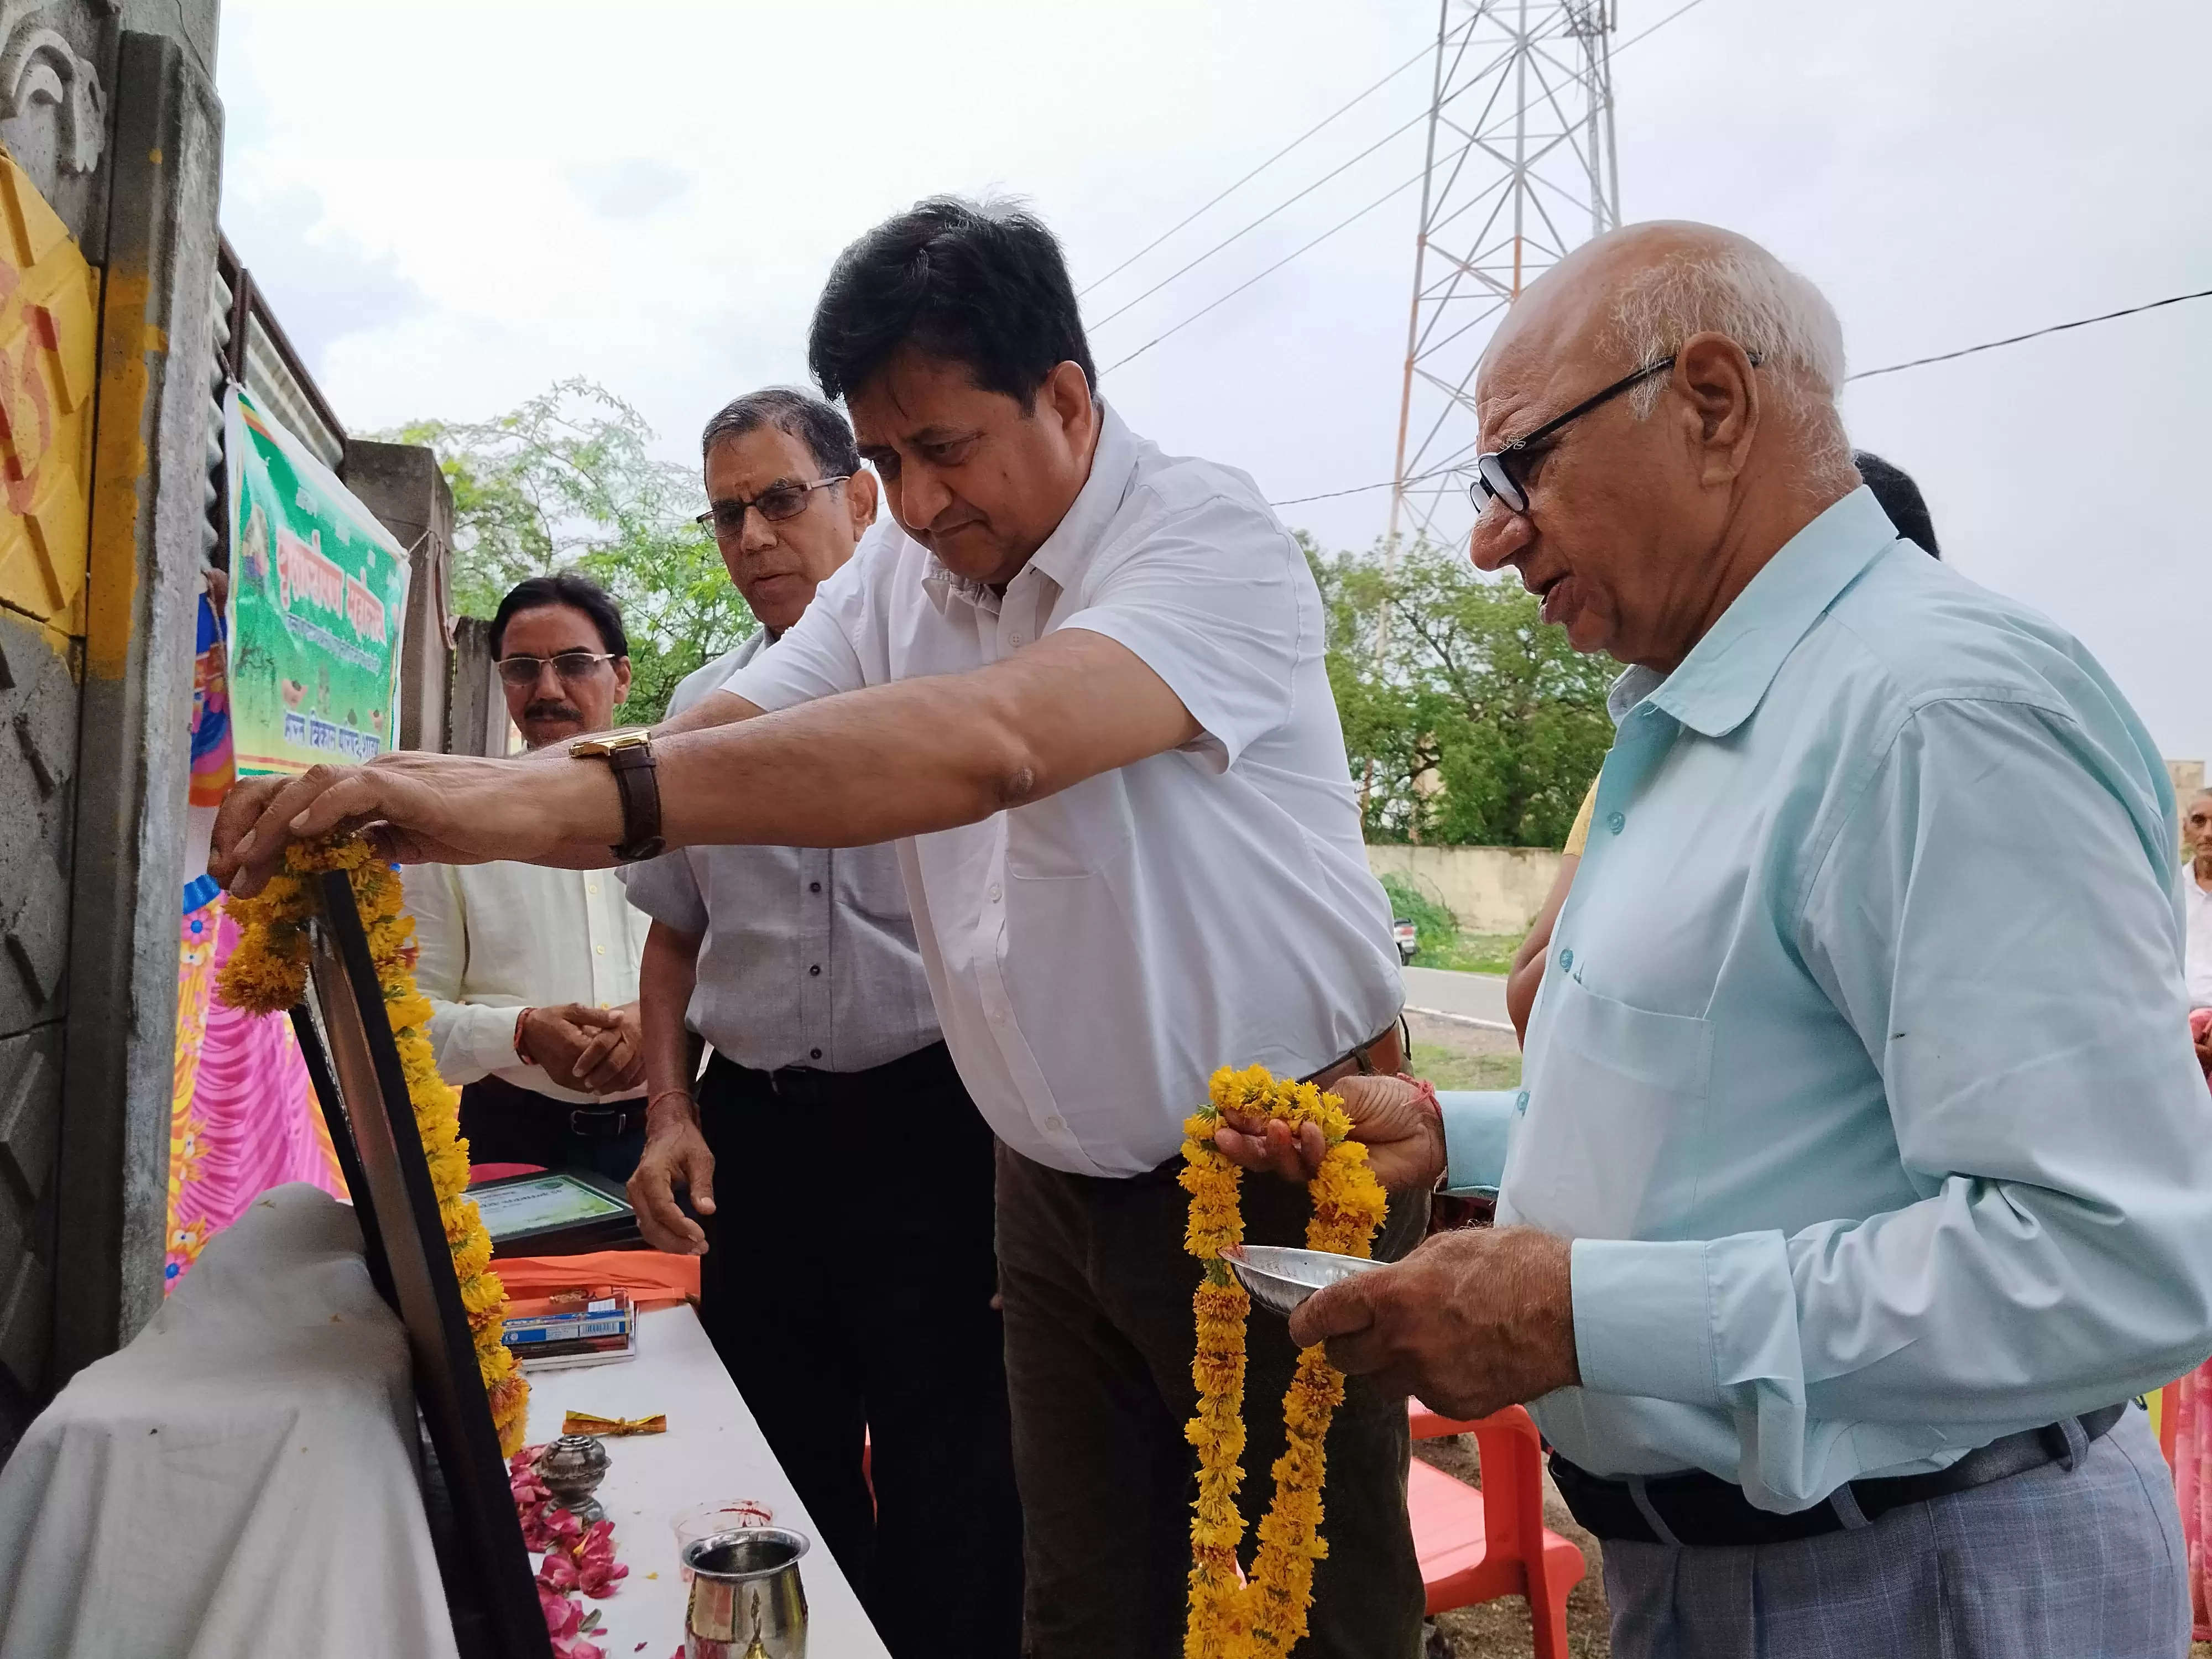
column 555, row 1212
column 398, row 1211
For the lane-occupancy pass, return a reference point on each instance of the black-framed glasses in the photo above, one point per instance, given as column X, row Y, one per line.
column 727, row 520
column 573, row 666
column 1499, row 474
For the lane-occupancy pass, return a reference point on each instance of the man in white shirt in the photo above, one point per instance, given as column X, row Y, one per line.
column 799, row 966
column 1083, row 681
column 2197, row 895
column 533, row 972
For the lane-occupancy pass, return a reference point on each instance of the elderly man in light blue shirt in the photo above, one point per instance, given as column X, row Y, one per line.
column 1861, row 1176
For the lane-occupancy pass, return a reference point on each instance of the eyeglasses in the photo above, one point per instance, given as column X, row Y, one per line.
column 1499, row 476
column 781, row 501
column 572, row 666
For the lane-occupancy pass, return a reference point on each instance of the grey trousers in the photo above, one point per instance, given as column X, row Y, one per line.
column 2084, row 1563
column 1099, row 1337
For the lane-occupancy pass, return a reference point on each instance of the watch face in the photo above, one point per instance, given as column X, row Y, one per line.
column 588, row 746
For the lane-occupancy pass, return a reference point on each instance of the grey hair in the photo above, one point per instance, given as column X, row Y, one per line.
column 802, row 415
column 1744, row 292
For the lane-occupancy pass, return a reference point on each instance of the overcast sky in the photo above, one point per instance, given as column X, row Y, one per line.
column 469, row 200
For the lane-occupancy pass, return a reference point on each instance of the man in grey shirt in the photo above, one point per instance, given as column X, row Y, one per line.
column 839, row 1315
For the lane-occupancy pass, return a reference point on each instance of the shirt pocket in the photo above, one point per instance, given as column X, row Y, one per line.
column 1613, row 1106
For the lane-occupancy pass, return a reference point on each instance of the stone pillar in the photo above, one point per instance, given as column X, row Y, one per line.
column 149, row 488
column 402, row 485
column 478, row 724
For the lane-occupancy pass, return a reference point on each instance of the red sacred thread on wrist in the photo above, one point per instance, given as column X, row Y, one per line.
column 521, row 1020
column 1425, row 1097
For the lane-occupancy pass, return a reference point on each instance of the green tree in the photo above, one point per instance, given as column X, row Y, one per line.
column 1480, row 725
column 569, row 481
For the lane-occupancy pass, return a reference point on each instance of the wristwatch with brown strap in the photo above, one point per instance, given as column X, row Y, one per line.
column 629, row 755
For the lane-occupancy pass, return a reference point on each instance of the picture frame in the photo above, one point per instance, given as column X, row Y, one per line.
column 364, row 1092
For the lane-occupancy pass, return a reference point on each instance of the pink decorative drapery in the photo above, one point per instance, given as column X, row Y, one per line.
column 242, row 1117
column 2192, row 1401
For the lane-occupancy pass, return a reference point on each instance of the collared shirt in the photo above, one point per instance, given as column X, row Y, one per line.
column 1860, row 1074
column 2197, row 903
column 495, row 938
column 808, row 956
column 1096, row 955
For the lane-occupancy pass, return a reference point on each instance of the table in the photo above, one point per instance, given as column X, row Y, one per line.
column 713, row 1451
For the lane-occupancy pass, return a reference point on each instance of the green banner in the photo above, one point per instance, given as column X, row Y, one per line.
column 317, row 595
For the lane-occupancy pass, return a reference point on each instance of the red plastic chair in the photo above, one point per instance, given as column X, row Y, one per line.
column 1477, row 1545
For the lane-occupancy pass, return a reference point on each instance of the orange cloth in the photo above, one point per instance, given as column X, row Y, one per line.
column 651, row 1277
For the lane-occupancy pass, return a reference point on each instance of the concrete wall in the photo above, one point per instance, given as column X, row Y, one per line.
column 1492, row 889
column 402, row 485
column 1499, row 890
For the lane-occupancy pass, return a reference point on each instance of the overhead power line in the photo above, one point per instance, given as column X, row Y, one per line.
column 1340, row 224
column 1360, row 489
column 1656, row 27
column 1864, row 373
column 1213, row 201
column 1256, row 224
column 1222, row 195
column 2032, row 334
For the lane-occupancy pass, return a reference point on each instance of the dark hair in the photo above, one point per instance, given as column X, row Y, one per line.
column 1899, row 496
column 978, row 283
column 563, row 587
column 813, row 422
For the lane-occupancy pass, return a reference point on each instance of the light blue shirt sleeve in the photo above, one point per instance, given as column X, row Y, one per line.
column 1478, row 1124
column 1994, row 923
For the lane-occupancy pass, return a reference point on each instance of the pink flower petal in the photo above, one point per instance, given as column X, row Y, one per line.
column 557, row 1572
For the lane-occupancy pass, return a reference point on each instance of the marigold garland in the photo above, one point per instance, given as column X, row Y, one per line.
column 268, row 973
column 1235, row 1615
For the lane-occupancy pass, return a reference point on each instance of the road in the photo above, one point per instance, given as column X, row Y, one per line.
column 1471, row 996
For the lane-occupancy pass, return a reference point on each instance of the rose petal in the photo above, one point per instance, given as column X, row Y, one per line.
column 557, row 1572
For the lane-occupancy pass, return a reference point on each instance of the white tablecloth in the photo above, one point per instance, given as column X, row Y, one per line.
column 240, row 1480
column 713, row 1452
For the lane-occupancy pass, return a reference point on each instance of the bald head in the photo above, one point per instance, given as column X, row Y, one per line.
column 1648, row 514
column 1644, row 290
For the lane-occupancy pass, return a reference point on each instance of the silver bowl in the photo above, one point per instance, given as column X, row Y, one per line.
column 1275, row 1276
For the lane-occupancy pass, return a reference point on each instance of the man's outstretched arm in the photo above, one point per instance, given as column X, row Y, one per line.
column 848, row 770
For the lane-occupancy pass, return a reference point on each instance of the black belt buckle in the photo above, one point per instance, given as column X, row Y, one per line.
column 598, row 1122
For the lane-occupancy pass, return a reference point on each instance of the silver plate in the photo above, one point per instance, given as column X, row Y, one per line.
column 1275, row 1276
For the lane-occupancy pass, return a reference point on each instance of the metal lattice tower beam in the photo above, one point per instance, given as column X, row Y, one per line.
column 1521, row 169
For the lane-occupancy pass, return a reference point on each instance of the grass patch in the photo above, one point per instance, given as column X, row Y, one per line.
column 1441, row 942
column 1450, row 1068
column 1471, row 953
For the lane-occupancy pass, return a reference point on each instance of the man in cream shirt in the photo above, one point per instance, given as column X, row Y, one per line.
column 533, row 972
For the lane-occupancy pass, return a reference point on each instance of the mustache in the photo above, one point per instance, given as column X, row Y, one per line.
column 552, row 708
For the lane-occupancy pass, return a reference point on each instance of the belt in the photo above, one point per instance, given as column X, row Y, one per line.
column 606, row 1122
column 929, row 1065
column 1384, row 1054
column 1703, row 1511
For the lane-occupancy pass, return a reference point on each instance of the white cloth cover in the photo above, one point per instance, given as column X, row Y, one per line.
column 240, row 1480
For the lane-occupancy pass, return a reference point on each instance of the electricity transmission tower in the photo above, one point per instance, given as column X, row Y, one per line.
column 1521, row 168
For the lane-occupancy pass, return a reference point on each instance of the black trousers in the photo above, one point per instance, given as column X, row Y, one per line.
column 1099, row 1336
column 848, row 1286
column 505, row 1124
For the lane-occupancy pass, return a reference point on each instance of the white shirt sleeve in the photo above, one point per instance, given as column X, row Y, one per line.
column 818, row 655
column 1215, row 599
column 473, row 1040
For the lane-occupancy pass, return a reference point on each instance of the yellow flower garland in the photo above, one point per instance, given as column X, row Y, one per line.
column 1233, row 1615
column 268, row 972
